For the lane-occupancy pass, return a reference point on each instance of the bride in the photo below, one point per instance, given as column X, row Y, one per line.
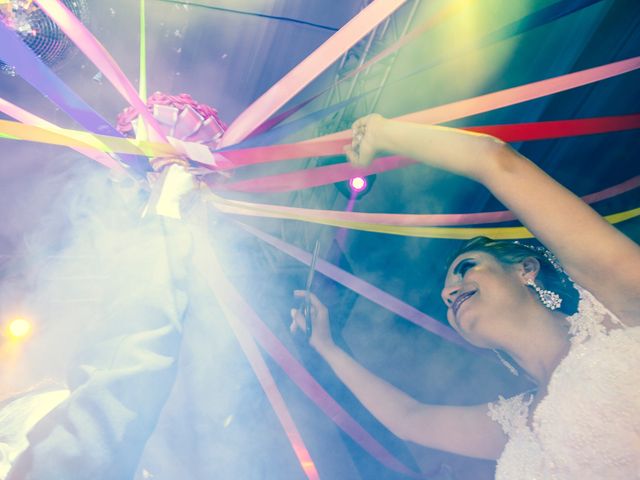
column 569, row 319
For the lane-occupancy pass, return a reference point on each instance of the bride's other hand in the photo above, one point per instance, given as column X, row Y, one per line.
column 319, row 315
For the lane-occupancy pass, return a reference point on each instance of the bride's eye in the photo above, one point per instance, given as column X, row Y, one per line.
column 464, row 266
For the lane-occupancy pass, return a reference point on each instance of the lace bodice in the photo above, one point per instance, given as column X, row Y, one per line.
column 588, row 424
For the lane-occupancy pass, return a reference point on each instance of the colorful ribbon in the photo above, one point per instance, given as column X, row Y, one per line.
column 366, row 290
column 301, row 75
column 14, row 52
column 257, row 138
column 95, row 51
column 461, row 233
column 529, row 22
column 330, row 144
column 316, row 176
column 76, row 138
column 240, row 311
column 28, row 118
column 324, row 175
column 330, row 217
column 235, row 309
column 524, row 93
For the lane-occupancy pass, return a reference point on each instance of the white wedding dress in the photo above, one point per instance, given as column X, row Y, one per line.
column 588, row 425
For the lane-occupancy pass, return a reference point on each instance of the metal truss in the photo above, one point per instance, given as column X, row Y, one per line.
column 373, row 78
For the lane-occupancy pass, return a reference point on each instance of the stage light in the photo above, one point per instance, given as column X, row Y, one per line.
column 356, row 187
column 19, row 328
column 358, row 184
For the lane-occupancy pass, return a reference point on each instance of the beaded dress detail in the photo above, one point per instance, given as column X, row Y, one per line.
column 588, row 424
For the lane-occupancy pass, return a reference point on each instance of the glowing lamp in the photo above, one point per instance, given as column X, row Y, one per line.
column 357, row 184
column 19, row 328
column 356, row 187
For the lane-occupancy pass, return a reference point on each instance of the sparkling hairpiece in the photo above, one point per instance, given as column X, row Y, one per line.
column 551, row 258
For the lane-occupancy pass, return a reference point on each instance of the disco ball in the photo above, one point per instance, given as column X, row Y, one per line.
column 38, row 31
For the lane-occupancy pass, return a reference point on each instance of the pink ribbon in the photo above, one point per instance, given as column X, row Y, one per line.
column 511, row 96
column 28, row 118
column 509, row 133
column 416, row 220
column 313, row 177
column 240, row 311
column 443, row 14
column 236, row 309
column 333, row 144
column 96, row 52
column 524, row 93
column 307, row 70
column 366, row 290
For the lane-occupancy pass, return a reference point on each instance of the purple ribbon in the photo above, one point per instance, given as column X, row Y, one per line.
column 232, row 301
column 31, row 68
column 367, row 290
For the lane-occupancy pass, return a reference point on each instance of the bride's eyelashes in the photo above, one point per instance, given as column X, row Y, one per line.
column 463, row 267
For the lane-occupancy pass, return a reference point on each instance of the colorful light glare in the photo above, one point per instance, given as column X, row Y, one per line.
column 19, row 328
column 358, row 184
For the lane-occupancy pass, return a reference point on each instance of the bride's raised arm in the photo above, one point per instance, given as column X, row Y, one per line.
column 595, row 254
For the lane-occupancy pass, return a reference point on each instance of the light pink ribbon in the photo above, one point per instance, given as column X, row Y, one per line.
column 412, row 220
column 307, row 70
column 95, row 51
column 239, row 311
column 333, row 144
column 28, row 118
column 366, row 290
column 312, row 177
column 236, row 311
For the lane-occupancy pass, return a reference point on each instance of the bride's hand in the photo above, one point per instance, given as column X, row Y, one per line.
column 319, row 316
column 365, row 140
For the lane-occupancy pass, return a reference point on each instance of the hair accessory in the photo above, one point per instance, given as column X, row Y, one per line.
column 506, row 363
column 549, row 299
column 553, row 260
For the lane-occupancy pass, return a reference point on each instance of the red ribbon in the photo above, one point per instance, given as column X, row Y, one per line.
column 315, row 177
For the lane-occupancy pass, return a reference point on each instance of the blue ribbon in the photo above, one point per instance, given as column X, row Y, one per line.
column 32, row 69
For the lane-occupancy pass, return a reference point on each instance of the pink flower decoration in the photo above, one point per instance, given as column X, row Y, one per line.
column 129, row 114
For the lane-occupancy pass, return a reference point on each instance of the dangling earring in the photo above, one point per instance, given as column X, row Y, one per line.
column 506, row 363
column 549, row 299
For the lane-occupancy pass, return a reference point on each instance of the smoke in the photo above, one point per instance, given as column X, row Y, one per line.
column 90, row 254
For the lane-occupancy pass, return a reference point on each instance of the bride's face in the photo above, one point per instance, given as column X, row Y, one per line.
column 482, row 296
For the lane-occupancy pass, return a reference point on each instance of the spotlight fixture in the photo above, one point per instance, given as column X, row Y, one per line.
column 357, row 184
column 356, row 187
column 18, row 328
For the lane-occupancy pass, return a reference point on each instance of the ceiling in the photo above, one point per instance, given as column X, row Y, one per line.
column 227, row 58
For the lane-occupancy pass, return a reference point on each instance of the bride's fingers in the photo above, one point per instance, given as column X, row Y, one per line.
column 351, row 155
column 297, row 321
column 359, row 123
column 357, row 136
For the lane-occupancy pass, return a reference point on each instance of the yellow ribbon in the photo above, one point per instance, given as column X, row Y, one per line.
column 75, row 138
column 455, row 233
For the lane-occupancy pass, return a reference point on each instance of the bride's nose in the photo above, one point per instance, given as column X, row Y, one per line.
column 449, row 294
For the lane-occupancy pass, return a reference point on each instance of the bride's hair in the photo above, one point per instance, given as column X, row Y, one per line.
column 551, row 275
